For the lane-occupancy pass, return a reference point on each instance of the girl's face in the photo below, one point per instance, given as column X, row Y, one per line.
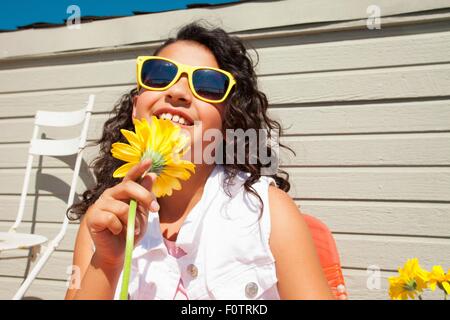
column 179, row 97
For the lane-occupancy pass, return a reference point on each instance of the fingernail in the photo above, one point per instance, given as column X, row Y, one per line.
column 154, row 206
column 136, row 231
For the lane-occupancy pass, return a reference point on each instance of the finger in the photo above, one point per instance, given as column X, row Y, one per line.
column 122, row 210
column 147, row 182
column 137, row 225
column 117, row 207
column 138, row 170
column 132, row 190
column 143, row 223
column 106, row 221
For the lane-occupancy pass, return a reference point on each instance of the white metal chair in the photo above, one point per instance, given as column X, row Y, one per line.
column 12, row 240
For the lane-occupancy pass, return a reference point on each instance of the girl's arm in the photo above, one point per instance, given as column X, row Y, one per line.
column 299, row 272
column 104, row 224
column 92, row 279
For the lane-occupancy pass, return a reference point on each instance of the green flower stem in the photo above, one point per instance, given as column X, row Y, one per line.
column 129, row 246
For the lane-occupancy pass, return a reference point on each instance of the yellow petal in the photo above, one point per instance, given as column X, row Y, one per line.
column 133, row 139
column 172, row 182
column 123, row 170
column 156, row 135
column 125, row 152
column 177, row 172
column 446, row 287
column 142, row 130
column 157, row 188
column 161, row 187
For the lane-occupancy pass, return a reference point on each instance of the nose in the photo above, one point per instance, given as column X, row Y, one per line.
column 180, row 91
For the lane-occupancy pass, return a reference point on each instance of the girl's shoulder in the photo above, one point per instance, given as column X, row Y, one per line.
column 235, row 185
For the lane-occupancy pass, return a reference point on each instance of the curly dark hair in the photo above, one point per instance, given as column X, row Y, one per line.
column 245, row 108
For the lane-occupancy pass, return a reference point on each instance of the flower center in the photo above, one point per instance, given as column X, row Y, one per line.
column 411, row 285
column 157, row 160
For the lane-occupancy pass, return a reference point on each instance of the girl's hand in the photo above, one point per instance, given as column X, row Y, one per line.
column 106, row 219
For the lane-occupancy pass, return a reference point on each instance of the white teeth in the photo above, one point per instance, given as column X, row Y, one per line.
column 173, row 118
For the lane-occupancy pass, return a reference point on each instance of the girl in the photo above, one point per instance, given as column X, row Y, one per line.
column 230, row 232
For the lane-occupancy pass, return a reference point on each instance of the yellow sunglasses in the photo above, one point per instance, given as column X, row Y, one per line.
column 208, row 84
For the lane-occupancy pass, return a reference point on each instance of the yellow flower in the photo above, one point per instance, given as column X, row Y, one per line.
column 438, row 277
column 161, row 141
column 412, row 280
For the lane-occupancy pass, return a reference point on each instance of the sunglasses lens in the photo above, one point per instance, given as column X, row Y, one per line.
column 210, row 84
column 158, row 73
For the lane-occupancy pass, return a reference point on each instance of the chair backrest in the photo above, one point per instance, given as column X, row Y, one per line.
column 328, row 255
column 61, row 147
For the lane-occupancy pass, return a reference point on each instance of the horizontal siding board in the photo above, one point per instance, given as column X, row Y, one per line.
column 356, row 282
column 375, row 84
column 49, row 181
column 121, row 31
column 15, row 262
column 19, row 157
column 381, row 218
column 370, row 150
column 413, row 184
column 26, row 103
column 390, row 253
column 364, row 53
column 341, row 55
column 415, row 116
column 21, row 129
column 39, row 290
column 38, row 209
column 406, row 184
column 88, row 75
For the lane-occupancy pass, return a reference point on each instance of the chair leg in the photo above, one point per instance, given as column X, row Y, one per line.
column 34, row 272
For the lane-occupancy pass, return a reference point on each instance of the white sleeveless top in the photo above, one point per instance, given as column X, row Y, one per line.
column 227, row 248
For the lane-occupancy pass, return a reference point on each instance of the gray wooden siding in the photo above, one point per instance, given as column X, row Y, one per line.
column 367, row 112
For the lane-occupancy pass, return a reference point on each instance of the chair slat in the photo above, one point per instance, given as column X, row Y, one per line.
column 60, row 119
column 61, row 147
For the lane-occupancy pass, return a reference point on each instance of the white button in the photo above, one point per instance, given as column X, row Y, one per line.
column 251, row 289
column 341, row 288
column 192, row 270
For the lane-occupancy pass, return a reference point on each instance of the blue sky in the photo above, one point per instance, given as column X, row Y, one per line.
column 20, row 13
